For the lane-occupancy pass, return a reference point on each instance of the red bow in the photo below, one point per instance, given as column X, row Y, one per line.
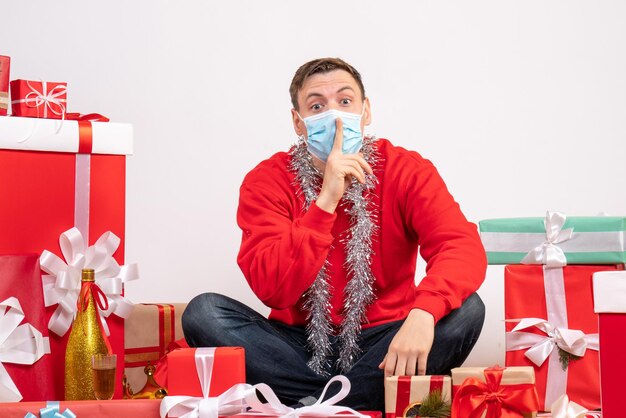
column 92, row 117
column 100, row 299
column 507, row 401
column 91, row 288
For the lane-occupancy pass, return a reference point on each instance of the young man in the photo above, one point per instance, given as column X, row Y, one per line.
column 331, row 231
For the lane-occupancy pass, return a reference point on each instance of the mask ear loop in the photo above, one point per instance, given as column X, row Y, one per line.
column 301, row 137
column 364, row 133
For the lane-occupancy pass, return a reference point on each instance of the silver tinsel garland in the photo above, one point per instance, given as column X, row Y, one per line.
column 359, row 292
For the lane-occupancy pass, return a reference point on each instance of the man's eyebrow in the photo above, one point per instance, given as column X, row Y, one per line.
column 313, row 95
column 345, row 88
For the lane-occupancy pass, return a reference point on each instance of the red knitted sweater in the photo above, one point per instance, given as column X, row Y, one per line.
column 283, row 247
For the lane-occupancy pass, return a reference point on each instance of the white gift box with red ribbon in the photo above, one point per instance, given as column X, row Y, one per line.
column 31, row 134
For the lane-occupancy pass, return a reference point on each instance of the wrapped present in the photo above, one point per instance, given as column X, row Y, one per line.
column 144, row 408
column 47, row 193
column 38, row 99
column 269, row 405
column 404, row 393
column 609, row 292
column 5, row 70
column 148, row 333
column 160, row 374
column 24, row 369
column 552, row 327
column 564, row 408
column 555, row 240
column 494, row 392
column 225, row 367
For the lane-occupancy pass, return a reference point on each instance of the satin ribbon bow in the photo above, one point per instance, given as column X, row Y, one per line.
column 563, row 408
column 51, row 100
column 19, row 344
column 63, row 282
column 499, row 401
column 539, row 347
column 549, row 253
column 91, row 117
column 228, row 403
column 321, row 408
column 51, row 410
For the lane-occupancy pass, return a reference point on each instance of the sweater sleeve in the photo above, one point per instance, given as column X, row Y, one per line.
column 455, row 258
column 280, row 252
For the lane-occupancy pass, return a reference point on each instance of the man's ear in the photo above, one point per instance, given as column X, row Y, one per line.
column 298, row 124
column 367, row 114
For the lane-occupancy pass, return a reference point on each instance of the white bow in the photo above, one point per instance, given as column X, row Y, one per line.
column 563, row 408
column 548, row 253
column 539, row 347
column 49, row 99
column 241, row 396
column 228, row 403
column 19, row 344
column 62, row 283
column 321, row 408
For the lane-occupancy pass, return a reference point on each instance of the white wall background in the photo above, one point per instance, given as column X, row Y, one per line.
column 520, row 104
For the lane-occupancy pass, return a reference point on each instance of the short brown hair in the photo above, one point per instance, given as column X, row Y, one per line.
column 320, row 66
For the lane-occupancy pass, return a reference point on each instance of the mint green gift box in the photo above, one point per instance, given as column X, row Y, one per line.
column 592, row 239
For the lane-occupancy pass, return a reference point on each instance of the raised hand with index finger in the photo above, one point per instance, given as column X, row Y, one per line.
column 339, row 170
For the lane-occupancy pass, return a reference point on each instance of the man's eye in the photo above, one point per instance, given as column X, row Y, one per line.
column 316, row 106
column 346, row 101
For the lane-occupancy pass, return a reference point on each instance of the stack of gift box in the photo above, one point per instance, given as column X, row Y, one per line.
column 551, row 321
column 560, row 272
column 63, row 209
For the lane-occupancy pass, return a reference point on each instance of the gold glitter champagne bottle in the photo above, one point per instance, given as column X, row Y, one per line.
column 86, row 339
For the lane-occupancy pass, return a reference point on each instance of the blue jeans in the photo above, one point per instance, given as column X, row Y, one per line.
column 276, row 353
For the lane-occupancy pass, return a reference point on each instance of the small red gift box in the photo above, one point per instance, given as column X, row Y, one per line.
column 609, row 292
column 5, row 68
column 38, row 99
column 226, row 364
column 48, row 187
column 20, row 278
column 494, row 392
column 557, row 303
column 403, row 392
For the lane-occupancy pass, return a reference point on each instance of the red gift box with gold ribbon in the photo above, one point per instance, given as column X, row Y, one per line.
column 551, row 326
column 402, row 393
column 57, row 175
column 494, row 392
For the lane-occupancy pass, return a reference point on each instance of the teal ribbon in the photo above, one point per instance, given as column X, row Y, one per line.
column 51, row 410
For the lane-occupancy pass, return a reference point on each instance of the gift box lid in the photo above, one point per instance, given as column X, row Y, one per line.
column 38, row 134
column 609, row 292
column 510, row 375
column 593, row 239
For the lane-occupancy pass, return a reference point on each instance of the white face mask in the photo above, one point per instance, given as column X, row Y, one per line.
column 321, row 129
